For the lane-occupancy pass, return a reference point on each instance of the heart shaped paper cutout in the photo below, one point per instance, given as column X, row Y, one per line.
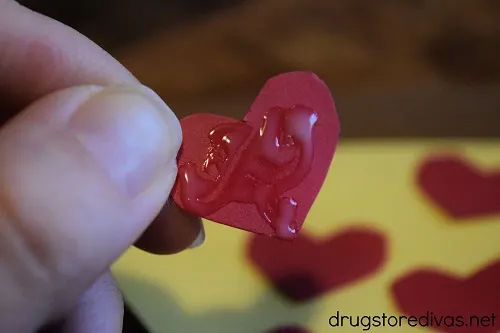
column 448, row 296
column 288, row 329
column 308, row 267
column 460, row 188
column 261, row 174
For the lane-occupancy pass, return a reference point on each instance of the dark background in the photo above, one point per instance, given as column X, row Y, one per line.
column 397, row 68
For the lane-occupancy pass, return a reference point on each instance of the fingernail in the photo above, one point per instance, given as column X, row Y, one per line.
column 200, row 239
column 131, row 132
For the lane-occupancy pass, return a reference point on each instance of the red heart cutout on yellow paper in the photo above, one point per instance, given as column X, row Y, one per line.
column 308, row 267
column 449, row 303
column 459, row 187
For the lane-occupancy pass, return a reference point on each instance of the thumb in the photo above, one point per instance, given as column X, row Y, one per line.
column 82, row 173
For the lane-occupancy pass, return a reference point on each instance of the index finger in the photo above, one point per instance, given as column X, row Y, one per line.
column 38, row 56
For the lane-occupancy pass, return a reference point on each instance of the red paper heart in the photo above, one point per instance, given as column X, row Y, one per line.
column 460, row 188
column 425, row 291
column 289, row 329
column 309, row 268
column 261, row 176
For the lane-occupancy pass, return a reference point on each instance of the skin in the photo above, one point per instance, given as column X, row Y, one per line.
column 75, row 189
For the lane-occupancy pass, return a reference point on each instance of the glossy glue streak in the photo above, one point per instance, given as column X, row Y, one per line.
column 256, row 166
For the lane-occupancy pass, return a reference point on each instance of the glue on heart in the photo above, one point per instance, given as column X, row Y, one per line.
column 263, row 173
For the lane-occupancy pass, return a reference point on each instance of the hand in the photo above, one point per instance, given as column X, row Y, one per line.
column 87, row 162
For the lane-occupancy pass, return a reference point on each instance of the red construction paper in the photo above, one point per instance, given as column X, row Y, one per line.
column 308, row 267
column 459, row 187
column 444, row 294
column 236, row 185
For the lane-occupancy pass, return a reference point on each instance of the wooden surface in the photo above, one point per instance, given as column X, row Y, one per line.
column 396, row 68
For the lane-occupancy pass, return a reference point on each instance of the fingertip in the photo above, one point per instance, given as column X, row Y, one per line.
column 173, row 231
column 200, row 239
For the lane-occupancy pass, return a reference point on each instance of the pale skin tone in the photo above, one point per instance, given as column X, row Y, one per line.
column 77, row 186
